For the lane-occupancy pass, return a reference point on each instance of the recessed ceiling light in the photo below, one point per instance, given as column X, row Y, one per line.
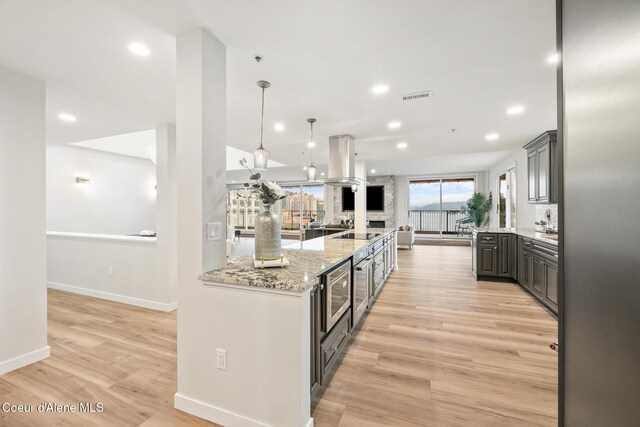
column 402, row 145
column 139, row 49
column 491, row 137
column 394, row 125
column 279, row 127
column 516, row 109
column 554, row 59
column 373, row 171
column 67, row 117
column 311, row 144
column 380, row 89
column 233, row 182
column 304, row 168
column 321, row 173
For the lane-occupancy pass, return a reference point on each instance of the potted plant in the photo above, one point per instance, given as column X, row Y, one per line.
column 477, row 209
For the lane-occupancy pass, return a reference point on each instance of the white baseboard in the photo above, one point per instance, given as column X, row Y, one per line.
column 24, row 360
column 138, row 302
column 217, row 415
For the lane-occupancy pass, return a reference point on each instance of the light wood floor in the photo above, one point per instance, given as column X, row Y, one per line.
column 101, row 351
column 438, row 349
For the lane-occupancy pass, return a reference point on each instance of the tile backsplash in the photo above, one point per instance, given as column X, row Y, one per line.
column 541, row 214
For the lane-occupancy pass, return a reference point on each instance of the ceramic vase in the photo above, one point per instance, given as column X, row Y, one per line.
column 268, row 237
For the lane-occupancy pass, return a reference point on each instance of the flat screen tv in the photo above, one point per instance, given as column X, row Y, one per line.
column 375, row 198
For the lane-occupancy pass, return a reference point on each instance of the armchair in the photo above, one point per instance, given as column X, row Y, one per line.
column 406, row 236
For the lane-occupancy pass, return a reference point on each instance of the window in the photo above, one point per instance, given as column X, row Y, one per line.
column 304, row 204
column 435, row 205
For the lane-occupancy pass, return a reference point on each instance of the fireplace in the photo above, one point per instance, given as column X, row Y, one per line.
column 376, row 224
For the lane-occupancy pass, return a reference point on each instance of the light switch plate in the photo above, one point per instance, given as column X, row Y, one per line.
column 214, row 231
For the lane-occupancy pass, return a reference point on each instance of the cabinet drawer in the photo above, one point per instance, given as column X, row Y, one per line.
column 335, row 342
column 545, row 250
column 487, row 238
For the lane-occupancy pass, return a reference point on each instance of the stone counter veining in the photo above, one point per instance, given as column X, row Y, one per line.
column 524, row 232
column 308, row 259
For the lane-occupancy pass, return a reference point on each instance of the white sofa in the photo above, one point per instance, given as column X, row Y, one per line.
column 406, row 236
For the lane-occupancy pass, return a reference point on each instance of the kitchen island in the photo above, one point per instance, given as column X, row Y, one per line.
column 283, row 342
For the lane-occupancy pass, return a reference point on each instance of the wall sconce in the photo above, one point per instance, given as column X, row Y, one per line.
column 81, row 180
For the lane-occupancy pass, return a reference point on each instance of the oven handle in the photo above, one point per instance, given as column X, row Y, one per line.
column 365, row 266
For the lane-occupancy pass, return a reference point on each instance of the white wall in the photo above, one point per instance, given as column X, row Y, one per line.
column 525, row 212
column 23, row 291
column 120, row 197
column 82, row 263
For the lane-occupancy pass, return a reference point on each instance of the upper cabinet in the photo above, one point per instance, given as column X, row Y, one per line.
column 542, row 168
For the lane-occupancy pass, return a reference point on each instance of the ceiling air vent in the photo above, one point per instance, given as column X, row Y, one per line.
column 417, row 95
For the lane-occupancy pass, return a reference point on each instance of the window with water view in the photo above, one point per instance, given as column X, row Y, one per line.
column 435, row 206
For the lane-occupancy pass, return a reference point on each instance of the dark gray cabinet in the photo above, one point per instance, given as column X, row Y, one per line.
column 538, row 271
column 531, row 262
column 525, row 262
column 538, row 276
column 495, row 254
column 542, row 168
column 333, row 345
column 488, row 260
column 551, row 278
column 506, row 255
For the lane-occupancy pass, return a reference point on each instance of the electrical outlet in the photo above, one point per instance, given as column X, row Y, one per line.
column 111, row 272
column 221, row 362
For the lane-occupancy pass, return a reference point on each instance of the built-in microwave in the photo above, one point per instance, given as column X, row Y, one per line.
column 336, row 286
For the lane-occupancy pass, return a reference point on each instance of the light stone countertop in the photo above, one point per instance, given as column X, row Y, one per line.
column 308, row 259
column 525, row 232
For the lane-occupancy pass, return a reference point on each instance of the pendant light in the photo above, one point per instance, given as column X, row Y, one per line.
column 261, row 156
column 311, row 170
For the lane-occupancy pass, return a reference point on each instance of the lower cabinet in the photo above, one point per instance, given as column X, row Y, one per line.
column 333, row 345
column 488, row 260
column 551, row 277
column 537, row 284
column 532, row 263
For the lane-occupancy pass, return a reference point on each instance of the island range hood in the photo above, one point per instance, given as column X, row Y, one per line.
column 342, row 162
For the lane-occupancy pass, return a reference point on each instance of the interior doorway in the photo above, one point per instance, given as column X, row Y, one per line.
column 506, row 207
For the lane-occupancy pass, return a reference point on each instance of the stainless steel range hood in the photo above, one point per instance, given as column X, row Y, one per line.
column 342, row 162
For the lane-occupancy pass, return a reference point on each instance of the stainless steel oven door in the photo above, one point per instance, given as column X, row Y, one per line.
column 338, row 294
column 361, row 279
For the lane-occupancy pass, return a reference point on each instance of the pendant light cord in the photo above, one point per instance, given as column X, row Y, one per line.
column 262, row 119
column 311, row 141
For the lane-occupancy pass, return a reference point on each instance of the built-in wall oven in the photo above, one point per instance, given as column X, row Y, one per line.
column 336, row 286
column 362, row 273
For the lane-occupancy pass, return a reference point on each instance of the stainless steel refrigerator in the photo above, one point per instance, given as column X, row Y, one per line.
column 600, row 212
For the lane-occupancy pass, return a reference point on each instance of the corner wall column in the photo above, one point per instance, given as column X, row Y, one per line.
column 23, row 230
column 201, row 199
column 166, row 210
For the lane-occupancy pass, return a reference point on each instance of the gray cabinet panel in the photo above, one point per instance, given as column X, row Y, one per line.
column 504, row 255
column 538, row 276
column 542, row 168
column 551, row 276
column 531, row 171
column 488, row 260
